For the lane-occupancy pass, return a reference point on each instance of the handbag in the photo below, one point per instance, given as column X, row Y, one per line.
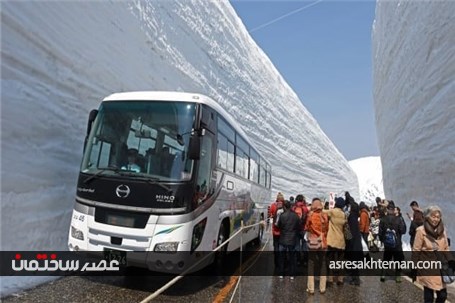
column 347, row 232
column 314, row 243
column 447, row 274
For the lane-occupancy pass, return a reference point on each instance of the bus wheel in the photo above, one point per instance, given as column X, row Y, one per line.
column 220, row 255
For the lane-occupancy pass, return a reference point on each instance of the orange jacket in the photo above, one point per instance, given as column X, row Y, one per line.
column 317, row 224
column 364, row 223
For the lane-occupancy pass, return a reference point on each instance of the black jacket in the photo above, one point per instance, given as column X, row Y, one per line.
column 393, row 222
column 289, row 225
column 354, row 250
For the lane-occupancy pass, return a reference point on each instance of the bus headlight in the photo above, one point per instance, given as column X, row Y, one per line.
column 166, row 247
column 77, row 233
column 198, row 232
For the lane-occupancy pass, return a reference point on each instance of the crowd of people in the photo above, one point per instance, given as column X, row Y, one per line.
column 316, row 232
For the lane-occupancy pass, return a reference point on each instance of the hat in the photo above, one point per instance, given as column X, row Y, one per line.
column 339, row 202
column 280, row 197
column 414, row 203
column 391, row 205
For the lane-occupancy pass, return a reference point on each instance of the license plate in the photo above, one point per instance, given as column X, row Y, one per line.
column 118, row 255
column 119, row 220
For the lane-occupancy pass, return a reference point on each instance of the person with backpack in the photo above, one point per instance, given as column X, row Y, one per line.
column 301, row 210
column 289, row 226
column 317, row 227
column 274, row 211
column 391, row 228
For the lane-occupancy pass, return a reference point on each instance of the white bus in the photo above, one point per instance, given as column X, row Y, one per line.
column 195, row 177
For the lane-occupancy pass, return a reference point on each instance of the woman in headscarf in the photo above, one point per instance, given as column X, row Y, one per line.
column 335, row 238
column 429, row 240
column 317, row 226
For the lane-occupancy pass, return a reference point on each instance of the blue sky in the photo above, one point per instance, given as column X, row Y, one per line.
column 323, row 51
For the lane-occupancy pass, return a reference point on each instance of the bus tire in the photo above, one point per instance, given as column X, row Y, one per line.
column 220, row 255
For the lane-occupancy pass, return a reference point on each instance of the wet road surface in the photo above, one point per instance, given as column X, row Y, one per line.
column 219, row 289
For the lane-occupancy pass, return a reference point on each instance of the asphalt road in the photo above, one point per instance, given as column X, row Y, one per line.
column 211, row 288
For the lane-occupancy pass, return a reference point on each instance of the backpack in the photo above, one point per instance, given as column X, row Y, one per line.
column 390, row 238
column 316, row 242
column 298, row 209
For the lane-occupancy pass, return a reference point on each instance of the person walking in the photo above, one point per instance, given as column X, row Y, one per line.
column 417, row 220
column 399, row 215
column 317, row 227
column 354, row 251
column 289, row 226
column 391, row 228
column 431, row 244
column 335, row 239
column 301, row 209
column 364, row 221
column 274, row 209
column 375, row 243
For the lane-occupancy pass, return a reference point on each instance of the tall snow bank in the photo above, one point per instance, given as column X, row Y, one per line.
column 414, row 93
column 59, row 59
column 369, row 174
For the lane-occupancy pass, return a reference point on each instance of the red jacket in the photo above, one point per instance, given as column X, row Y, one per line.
column 273, row 209
column 305, row 211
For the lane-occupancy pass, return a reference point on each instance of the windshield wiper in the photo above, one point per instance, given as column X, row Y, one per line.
column 101, row 171
column 149, row 180
column 155, row 181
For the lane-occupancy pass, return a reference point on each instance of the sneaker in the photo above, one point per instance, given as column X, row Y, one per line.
column 281, row 277
column 398, row 279
column 309, row 291
column 291, row 278
column 322, row 292
column 382, row 279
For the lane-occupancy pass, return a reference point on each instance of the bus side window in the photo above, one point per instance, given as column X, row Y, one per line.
column 202, row 191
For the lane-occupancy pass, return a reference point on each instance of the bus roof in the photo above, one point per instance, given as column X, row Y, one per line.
column 184, row 97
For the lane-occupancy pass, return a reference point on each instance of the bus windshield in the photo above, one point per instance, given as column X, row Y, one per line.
column 141, row 139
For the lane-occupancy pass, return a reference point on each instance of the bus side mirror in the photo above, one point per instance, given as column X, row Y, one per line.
column 194, row 149
column 91, row 119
